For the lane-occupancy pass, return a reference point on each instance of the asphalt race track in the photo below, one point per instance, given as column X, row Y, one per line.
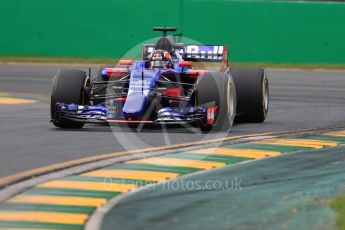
column 299, row 99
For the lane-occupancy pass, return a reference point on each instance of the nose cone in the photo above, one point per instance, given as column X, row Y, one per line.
column 140, row 86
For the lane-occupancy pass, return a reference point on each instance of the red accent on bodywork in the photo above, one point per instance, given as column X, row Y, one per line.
column 210, row 114
column 120, row 99
column 126, row 62
column 117, row 72
column 194, row 73
column 173, row 92
column 185, row 63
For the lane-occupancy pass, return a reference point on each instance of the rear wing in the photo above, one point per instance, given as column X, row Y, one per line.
column 196, row 53
column 204, row 53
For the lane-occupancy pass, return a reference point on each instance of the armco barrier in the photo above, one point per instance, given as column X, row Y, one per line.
column 255, row 31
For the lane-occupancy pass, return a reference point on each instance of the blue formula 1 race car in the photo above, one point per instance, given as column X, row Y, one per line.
column 163, row 88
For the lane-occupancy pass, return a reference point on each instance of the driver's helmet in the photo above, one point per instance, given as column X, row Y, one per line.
column 160, row 59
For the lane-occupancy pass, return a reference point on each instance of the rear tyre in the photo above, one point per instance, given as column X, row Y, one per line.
column 68, row 87
column 252, row 88
column 217, row 89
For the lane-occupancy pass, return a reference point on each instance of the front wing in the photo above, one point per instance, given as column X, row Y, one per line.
column 102, row 114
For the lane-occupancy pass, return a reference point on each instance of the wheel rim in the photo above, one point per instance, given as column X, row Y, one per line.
column 230, row 104
column 265, row 90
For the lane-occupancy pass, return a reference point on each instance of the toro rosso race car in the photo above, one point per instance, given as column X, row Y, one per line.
column 162, row 88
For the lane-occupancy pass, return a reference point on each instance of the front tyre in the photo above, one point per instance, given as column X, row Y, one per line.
column 217, row 89
column 68, row 87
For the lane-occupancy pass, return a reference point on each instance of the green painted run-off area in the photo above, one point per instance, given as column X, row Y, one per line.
column 255, row 31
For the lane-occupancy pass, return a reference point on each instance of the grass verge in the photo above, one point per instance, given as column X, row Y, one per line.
column 339, row 206
column 88, row 60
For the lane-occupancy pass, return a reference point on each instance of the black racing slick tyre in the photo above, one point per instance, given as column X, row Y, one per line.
column 252, row 89
column 68, row 87
column 217, row 89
